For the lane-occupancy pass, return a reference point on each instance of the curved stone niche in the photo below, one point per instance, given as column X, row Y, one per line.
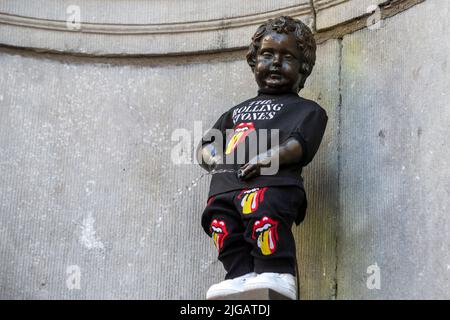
column 136, row 27
column 159, row 27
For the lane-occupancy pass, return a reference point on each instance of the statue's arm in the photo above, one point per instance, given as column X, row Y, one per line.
column 289, row 152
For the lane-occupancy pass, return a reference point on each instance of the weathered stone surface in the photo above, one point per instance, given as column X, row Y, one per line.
column 132, row 27
column 86, row 191
column 394, row 157
column 316, row 235
column 87, row 179
column 137, row 12
column 331, row 13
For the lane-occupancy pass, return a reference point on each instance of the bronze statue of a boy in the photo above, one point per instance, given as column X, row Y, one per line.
column 249, row 214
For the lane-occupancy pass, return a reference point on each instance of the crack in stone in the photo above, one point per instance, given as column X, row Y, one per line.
column 338, row 214
column 314, row 13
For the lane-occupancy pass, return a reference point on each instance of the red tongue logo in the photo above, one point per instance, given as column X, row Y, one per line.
column 240, row 132
column 251, row 199
column 265, row 230
column 219, row 233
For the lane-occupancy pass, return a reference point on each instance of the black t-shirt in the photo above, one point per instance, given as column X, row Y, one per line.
column 291, row 114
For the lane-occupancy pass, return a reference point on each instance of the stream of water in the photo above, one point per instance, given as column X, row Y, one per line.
column 186, row 189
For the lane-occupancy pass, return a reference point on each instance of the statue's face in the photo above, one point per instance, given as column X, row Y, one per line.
column 278, row 63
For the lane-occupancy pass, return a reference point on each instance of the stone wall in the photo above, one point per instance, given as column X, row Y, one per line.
column 87, row 188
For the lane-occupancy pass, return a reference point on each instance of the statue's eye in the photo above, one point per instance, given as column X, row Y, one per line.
column 289, row 57
column 266, row 54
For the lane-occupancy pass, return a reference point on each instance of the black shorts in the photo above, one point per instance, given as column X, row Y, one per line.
column 251, row 228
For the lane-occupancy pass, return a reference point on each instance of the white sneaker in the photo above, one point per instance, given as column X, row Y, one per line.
column 230, row 286
column 283, row 283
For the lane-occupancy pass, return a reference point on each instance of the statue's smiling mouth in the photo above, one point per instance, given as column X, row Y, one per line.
column 275, row 75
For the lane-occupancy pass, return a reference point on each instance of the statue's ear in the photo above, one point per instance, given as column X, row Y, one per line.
column 304, row 68
column 304, row 73
column 251, row 63
column 302, row 81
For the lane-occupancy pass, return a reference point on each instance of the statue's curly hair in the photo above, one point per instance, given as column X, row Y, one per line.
column 305, row 42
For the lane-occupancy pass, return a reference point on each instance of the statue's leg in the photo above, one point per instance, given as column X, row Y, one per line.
column 227, row 232
column 268, row 229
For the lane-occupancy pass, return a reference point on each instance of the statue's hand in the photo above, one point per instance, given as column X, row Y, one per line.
column 253, row 167
column 210, row 157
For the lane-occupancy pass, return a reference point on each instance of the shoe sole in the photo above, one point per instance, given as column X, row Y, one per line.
column 258, row 294
column 289, row 294
column 221, row 294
